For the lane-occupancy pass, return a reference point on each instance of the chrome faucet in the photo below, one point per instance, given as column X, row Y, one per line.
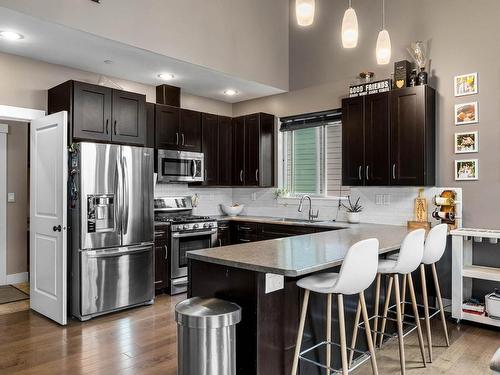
column 311, row 215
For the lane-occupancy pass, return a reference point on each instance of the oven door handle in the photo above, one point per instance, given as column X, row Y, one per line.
column 193, row 234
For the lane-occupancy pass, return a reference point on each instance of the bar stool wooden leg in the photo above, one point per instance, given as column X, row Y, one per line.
column 328, row 331
column 426, row 311
column 343, row 345
column 377, row 302
column 417, row 318
column 355, row 333
column 440, row 302
column 399, row 319
column 301, row 332
column 368, row 333
column 403, row 295
column 386, row 308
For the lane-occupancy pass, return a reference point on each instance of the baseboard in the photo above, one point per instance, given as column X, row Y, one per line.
column 17, row 278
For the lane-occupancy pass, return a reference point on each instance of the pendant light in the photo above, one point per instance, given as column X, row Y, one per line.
column 383, row 50
column 350, row 28
column 304, row 10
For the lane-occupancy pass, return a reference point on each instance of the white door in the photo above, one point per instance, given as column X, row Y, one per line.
column 48, row 216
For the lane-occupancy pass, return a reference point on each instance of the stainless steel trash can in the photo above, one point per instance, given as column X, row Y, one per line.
column 206, row 336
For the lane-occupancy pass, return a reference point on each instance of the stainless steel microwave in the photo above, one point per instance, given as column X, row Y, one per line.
column 180, row 166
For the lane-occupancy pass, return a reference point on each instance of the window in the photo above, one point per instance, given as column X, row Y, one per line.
column 312, row 160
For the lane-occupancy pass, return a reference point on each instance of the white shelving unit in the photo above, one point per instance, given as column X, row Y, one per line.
column 464, row 271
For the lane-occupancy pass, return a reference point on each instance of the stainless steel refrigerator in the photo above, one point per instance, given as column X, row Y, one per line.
column 111, row 212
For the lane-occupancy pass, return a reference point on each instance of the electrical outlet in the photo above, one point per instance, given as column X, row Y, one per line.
column 253, row 196
column 379, row 199
column 387, row 199
column 274, row 282
column 11, row 197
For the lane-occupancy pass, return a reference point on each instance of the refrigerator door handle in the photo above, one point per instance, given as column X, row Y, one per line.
column 117, row 191
column 126, row 197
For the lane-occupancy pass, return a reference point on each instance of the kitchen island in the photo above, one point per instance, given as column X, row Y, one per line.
column 246, row 273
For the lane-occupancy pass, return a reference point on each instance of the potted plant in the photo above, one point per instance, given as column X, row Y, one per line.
column 353, row 210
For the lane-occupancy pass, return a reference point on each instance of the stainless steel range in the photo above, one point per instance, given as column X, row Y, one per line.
column 186, row 232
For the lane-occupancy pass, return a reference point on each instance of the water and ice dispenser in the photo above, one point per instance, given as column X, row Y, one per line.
column 101, row 213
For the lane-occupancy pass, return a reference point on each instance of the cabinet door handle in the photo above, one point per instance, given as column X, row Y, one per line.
column 394, row 171
column 244, row 240
column 166, row 252
column 182, row 136
column 241, row 175
column 245, row 228
column 177, row 138
column 359, row 173
column 107, row 126
column 257, row 175
column 220, row 242
column 367, row 172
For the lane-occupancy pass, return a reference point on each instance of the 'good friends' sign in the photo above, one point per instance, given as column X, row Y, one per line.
column 370, row 88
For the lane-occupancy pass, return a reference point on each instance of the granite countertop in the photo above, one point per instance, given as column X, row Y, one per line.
column 301, row 255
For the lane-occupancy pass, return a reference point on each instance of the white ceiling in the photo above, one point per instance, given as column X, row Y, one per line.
column 59, row 44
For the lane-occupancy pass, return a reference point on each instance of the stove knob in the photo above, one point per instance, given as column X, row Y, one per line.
column 185, row 226
column 210, row 225
column 205, row 225
column 195, row 226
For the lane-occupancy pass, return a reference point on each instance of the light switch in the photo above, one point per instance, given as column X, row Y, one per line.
column 387, row 199
column 254, row 196
column 274, row 282
column 379, row 199
column 11, row 197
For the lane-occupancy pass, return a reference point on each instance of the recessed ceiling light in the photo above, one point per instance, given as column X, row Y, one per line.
column 108, row 61
column 166, row 76
column 230, row 92
column 10, row 35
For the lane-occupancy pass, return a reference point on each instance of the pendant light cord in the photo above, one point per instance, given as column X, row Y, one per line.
column 383, row 14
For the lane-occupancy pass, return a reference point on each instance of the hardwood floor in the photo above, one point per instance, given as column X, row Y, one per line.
column 143, row 341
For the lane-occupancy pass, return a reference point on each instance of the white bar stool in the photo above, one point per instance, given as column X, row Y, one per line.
column 408, row 260
column 435, row 245
column 357, row 273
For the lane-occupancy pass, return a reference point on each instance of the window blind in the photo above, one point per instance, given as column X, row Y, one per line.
column 310, row 120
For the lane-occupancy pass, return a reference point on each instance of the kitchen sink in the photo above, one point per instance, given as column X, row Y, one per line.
column 305, row 221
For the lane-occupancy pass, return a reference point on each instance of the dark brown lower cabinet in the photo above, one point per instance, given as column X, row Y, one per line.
column 161, row 254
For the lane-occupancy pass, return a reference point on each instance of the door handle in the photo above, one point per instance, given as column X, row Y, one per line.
column 394, row 171
column 194, row 167
column 182, row 137
column 56, row 229
column 126, row 196
column 359, row 173
column 257, row 175
column 166, row 252
column 107, row 126
column 115, row 127
column 367, row 172
column 241, row 175
column 177, row 138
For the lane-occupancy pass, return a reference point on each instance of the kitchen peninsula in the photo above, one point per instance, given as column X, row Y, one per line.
column 246, row 273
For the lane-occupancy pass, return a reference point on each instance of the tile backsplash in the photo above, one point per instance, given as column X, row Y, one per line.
column 382, row 205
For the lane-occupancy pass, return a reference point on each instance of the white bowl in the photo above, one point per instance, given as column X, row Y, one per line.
column 232, row 210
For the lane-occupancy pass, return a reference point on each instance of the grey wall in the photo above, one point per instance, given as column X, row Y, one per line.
column 463, row 38
column 247, row 39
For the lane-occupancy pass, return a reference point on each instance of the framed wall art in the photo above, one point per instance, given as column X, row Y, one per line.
column 466, row 84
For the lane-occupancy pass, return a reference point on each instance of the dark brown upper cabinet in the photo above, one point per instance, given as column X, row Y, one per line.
column 389, row 138
column 210, row 147
column 129, row 118
column 177, row 128
column 190, row 131
column 225, row 151
column 217, row 149
column 100, row 114
column 167, row 120
column 253, row 155
column 413, row 134
column 353, row 141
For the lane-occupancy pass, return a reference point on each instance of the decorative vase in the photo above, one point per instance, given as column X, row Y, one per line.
column 413, row 79
column 353, row 217
column 422, row 77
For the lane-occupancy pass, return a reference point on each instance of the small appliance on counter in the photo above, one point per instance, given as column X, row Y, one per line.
column 492, row 302
column 111, row 215
column 179, row 231
column 180, row 166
